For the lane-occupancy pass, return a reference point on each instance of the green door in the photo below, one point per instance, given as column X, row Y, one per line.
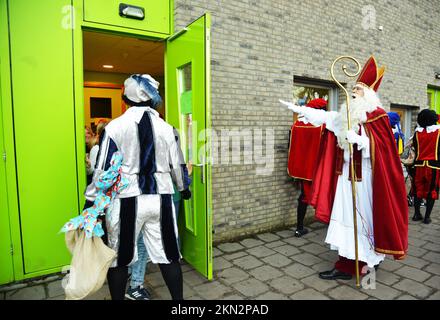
column 44, row 129
column 187, row 77
column 434, row 99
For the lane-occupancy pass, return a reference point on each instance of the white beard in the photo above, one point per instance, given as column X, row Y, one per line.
column 359, row 107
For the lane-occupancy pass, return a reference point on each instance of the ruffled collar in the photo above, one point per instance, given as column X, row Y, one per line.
column 429, row 129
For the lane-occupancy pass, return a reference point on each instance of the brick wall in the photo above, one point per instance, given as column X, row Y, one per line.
column 257, row 48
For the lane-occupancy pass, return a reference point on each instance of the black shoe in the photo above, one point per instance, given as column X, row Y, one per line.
column 427, row 220
column 334, row 275
column 417, row 217
column 139, row 293
column 300, row 232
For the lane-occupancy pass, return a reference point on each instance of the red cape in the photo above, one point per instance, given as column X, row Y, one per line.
column 303, row 150
column 390, row 209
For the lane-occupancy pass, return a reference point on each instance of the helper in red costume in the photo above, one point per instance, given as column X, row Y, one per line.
column 304, row 145
column 427, row 163
column 382, row 212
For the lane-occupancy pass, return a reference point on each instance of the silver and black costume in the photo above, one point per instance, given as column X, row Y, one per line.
column 152, row 162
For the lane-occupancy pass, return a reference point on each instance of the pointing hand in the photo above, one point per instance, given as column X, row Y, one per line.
column 292, row 107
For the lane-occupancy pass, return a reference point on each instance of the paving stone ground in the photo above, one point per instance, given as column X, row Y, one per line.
column 278, row 266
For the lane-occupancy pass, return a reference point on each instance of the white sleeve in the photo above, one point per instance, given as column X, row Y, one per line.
column 331, row 119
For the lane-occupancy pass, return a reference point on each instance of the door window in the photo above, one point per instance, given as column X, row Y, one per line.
column 186, row 119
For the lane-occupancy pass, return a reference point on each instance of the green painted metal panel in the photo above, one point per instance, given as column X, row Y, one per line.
column 143, row 35
column 187, row 95
column 8, row 141
column 157, row 14
column 78, row 70
column 6, row 262
column 44, row 127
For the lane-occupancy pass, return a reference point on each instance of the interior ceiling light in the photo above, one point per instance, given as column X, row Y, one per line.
column 107, row 66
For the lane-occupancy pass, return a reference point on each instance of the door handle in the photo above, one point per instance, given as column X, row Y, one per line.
column 202, row 172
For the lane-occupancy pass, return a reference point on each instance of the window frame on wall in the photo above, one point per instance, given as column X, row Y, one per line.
column 333, row 98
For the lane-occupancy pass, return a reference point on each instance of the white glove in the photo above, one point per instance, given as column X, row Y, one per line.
column 293, row 107
column 354, row 138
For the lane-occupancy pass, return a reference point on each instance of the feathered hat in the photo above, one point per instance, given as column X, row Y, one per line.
column 141, row 90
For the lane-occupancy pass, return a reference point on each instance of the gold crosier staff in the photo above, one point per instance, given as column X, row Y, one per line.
column 353, row 172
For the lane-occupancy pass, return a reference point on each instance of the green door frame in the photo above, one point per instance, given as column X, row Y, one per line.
column 6, row 250
column 6, row 262
column 9, row 146
column 8, row 171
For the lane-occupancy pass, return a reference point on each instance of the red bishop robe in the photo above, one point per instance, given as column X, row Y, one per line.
column 303, row 150
column 390, row 208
